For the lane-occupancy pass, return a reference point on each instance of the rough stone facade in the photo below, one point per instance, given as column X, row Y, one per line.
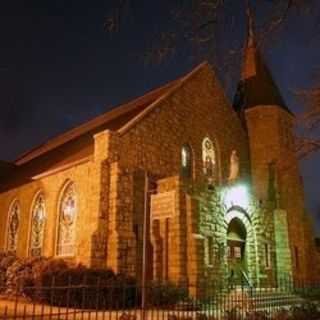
column 122, row 172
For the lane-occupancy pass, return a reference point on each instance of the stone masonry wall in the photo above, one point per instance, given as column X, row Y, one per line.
column 196, row 110
column 271, row 142
column 91, row 177
column 51, row 186
column 110, row 184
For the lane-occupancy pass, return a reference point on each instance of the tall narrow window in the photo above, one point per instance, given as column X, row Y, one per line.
column 296, row 255
column 267, row 255
column 37, row 226
column 208, row 251
column 67, row 219
column 186, row 161
column 13, row 227
column 208, row 158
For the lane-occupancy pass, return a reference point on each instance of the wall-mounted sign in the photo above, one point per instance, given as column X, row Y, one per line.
column 163, row 205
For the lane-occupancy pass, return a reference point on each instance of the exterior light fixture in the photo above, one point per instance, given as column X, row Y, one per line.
column 236, row 195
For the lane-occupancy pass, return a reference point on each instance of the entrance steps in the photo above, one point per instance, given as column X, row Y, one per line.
column 263, row 299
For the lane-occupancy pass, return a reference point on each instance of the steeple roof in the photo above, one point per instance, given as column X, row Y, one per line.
column 256, row 86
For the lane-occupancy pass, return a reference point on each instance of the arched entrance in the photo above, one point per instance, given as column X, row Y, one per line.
column 236, row 252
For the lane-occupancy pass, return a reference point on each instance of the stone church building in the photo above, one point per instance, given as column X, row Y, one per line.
column 217, row 186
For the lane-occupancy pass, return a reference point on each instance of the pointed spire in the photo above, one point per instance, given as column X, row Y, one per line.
column 249, row 62
column 256, row 86
column 251, row 39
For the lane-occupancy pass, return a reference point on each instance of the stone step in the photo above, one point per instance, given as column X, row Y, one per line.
column 273, row 296
column 269, row 298
column 277, row 300
column 263, row 299
column 266, row 301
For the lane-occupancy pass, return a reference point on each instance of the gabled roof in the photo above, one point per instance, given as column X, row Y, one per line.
column 5, row 168
column 121, row 117
column 257, row 86
column 113, row 120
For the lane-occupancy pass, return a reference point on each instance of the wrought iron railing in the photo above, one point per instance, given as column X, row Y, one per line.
column 163, row 302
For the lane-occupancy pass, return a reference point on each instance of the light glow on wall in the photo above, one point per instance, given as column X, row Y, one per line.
column 236, row 195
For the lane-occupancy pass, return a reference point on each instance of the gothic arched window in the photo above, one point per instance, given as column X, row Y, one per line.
column 186, row 161
column 38, row 221
column 67, row 222
column 209, row 158
column 13, row 226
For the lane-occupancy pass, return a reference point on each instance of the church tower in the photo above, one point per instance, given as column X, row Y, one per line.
column 274, row 167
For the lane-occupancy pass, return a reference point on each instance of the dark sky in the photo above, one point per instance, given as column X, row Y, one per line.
column 59, row 68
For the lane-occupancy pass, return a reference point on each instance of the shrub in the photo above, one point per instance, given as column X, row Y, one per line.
column 233, row 314
column 307, row 311
column 80, row 287
column 259, row 315
column 21, row 273
column 6, row 260
column 281, row 315
column 57, row 282
column 166, row 294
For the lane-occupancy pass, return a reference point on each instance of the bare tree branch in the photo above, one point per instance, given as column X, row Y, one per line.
column 196, row 25
column 306, row 146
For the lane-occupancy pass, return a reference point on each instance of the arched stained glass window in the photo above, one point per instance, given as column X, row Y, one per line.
column 209, row 158
column 37, row 226
column 67, row 222
column 186, row 161
column 13, row 227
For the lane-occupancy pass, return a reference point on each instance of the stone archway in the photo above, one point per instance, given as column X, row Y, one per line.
column 236, row 252
column 241, row 245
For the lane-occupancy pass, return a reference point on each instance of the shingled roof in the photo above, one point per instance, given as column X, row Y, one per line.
column 113, row 120
column 257, row 86
column 117, row 118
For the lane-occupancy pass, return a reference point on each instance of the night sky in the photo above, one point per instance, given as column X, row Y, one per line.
column 58, row 68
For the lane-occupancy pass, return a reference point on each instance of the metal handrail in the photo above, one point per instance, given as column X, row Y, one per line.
column 244, row 275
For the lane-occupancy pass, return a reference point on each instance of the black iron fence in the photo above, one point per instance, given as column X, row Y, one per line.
column 163, row 302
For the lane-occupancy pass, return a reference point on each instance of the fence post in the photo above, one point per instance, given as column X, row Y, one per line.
column 16, row 300
column 52, row 290
column 5, row 313
column 145, row 246
column 98, row 296
column 68, row 296
column 124, row 296
column 83, row 294
column 24, row 312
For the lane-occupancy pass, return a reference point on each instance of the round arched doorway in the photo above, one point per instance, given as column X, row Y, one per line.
column 236, row 246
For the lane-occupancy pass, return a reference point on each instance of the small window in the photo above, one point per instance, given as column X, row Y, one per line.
column 136, row 231
column 186, row 161
column 208, row 158
column 267, row 256
column 208, row 251
column 296, row 258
